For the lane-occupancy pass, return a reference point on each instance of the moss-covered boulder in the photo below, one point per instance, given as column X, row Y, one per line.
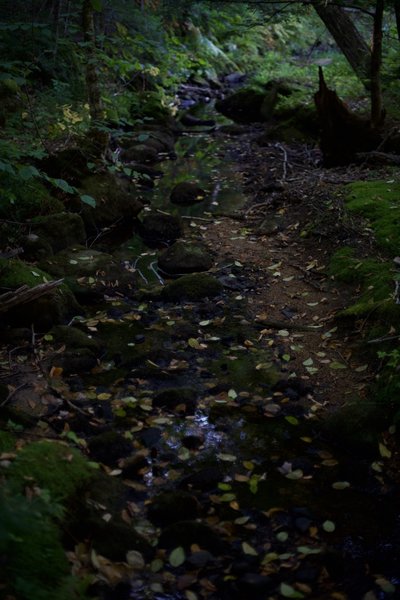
column 69, row 164
column 243, row 106
column 86, row 270
column 142, row 153
column 59, row 230
column 44, row 312
column 192, row 287
column 116, row 200
column 51, row 466
column 160, row 228
column 187, row 193
column 185, row 257
column 109, row 446
column 23, row 202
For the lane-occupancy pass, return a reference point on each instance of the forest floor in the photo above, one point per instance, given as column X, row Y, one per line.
column 219, row 463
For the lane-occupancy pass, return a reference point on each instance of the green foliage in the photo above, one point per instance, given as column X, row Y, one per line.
column 52, row 466
column 33, row 560
column 379, row 202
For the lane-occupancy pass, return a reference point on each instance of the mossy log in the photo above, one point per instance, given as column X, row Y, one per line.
column 25, row 294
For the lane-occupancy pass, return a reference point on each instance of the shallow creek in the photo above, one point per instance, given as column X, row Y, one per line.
column 208, row 402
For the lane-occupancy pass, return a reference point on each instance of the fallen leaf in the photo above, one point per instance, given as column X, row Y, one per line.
column 177, row 557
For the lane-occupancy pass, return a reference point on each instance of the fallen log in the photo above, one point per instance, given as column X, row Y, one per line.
column 376, row 158
column 26, row 294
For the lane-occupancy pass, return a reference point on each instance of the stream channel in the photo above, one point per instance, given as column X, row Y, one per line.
column 227, row 478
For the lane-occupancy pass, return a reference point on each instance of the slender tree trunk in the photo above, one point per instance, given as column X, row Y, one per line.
column 397, row 15
column 56, row 26
column 377, row 111
column 347, row 37
column 99, row 138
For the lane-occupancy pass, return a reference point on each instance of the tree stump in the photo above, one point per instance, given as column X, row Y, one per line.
column 343, row 133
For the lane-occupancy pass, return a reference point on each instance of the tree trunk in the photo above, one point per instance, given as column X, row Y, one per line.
column 347, row 37
column 377, row 111
column 98, row 138
column 397, row 14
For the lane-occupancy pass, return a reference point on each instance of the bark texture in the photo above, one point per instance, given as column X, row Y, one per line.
column 347, row 37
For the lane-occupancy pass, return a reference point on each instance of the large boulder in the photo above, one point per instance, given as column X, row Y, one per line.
column 44, row 311
column 185, row 257
column 195, row 286
column 116, row 201
column 243, row 106
column 59, row 230
column 85, row 269
column 187, row 193
column 160, row 228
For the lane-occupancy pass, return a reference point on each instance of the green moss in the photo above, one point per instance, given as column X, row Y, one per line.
column 52, row 466
column 192, row 287
column 7, row 441
column 15, row 273
column 33, row 560
column 22, row 200
column 379, row 202
column 374, row 277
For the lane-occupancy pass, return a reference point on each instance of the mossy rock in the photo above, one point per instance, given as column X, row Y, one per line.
column 109, row 446
column 142, row 153
column 79, row 360
column 187, row 193
column 158, row 228
column 149, row 105
column 172, row 397
column 35, row 565
column 69, row 164
column 60, row 230
column 195, row 286
column 379, row 202
column 43, row 312
column 52, row 466
column 74, row 338
column 23, row 202
column 87, row 271
column 243, row 106
column 116, row 200
column 185, row 257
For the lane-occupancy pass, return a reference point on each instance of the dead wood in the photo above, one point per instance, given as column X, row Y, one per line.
column 377, row 159
column 343, row 133
column 26, row 294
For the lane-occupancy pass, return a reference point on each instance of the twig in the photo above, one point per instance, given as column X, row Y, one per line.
column 284, row 325
column 25, row 294
column 12, row 393
column 285, row 160
column 387, row 338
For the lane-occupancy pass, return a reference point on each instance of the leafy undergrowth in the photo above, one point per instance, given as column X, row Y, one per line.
column 376, row 304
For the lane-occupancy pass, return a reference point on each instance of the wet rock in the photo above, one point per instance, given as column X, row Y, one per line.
column 73, row 338
column 42, row 312
column 185, row 257
column 192, row 287
column 295, row 387
column 233, row 129
column 255, row 584
column 150, row 436
column 186, row 193
column 302, row 524
column 171, row 507
column 116, row 201
column 59, row 230
column 172, row 397
column 141, row 153
column 243, row 106
column 86, row 269
column 200, row 559
column 79, row 360
column 235, row 78
column 307, row 573
column 132, row 466
column 203, row 479
column 186, row 533
column 192, row 442
column 156, row 229
column 108, row 447
column 36, row 248
column 191, row 121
